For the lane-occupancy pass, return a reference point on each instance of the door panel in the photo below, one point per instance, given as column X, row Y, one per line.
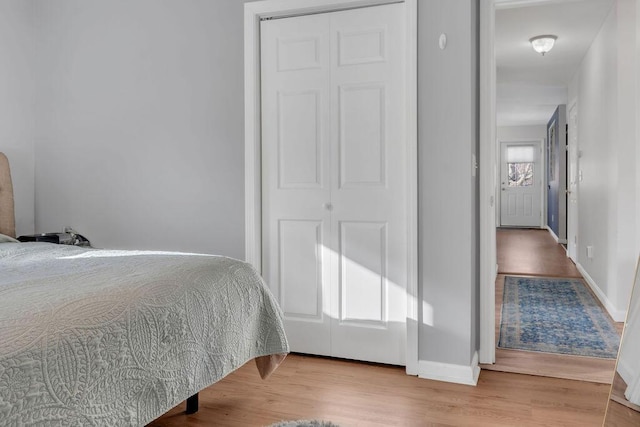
column 334, row 194
column 368, row 132
column 511, row 203
column 528, row 205
column 362, row 142
column 299, row 144
column 363, row 264
column 295, row 185
column 361, row 47
column 298, row 53
column 301, row 268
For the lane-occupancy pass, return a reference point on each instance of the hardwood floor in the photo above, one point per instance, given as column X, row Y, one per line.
column 360, row 394
column 353, row 394
column 620, row 411
column 530, row 252
column 621, row 416
column 527, row 252
column 617, row 394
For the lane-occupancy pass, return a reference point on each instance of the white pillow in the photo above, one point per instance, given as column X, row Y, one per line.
column 7, row 239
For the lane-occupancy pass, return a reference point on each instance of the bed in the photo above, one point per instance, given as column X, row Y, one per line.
column 108, row 337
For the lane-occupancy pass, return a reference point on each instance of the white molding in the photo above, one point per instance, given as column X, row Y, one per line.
column 624, row 369
column 412, row 187
column 510, row 4
column 252, row 153
column 616, row 315
column 459, row 374
column 488, row 182
column 554, row 235
column 285, row 8
column 253, row 12
column 573, row 207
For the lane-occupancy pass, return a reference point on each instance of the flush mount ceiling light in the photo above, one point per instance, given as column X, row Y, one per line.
column 543, row 44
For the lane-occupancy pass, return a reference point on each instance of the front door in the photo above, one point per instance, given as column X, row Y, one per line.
column 334, row 197
column 521, row 184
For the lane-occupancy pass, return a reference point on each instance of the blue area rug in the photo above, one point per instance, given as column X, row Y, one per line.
column 555, row 316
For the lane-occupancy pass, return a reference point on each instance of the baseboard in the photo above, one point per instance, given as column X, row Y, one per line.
column 616, row 315
column 555, row 236
column 459, row 374
column 624, row 370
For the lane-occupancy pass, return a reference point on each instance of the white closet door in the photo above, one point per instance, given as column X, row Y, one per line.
column 295, row 180
column 334, row 190
column 368, row 189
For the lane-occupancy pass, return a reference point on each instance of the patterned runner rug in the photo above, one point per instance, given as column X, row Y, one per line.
column 555, row 315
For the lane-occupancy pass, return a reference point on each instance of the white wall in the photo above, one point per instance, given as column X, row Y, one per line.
column 625, row 255
column 521, row 133
column 17, row 105
column 604, row 87
column 140, row 139
column 140, row 123
column 638, row 122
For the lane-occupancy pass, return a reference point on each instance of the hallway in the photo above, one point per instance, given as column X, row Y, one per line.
column 533, row 252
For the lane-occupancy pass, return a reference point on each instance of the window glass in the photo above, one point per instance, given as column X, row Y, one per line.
column 520, row 174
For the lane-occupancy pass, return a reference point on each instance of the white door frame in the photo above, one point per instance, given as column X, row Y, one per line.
column 572, row 209
column 253, row 13
column 487, row 171
column 488, row 179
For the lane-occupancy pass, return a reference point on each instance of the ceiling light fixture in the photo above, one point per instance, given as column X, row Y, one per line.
column 543, row 44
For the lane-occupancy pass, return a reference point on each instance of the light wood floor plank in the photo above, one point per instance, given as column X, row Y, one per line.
column 532, row 252
column 358, row 394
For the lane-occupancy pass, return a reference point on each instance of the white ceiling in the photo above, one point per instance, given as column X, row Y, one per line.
column 530, row 86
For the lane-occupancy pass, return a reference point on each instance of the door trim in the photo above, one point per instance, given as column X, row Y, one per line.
column 488, row 183
column 253, row 13
column 572, row 252
column 487, row 172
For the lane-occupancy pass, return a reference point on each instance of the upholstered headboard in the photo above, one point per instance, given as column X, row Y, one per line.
column 7, row 213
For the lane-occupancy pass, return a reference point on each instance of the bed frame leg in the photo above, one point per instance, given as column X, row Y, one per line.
column 192, row 404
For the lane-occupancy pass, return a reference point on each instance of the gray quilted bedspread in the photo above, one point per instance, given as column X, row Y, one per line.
column 98, row 337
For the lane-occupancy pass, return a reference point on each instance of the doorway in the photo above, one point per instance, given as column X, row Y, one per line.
column 519, row 21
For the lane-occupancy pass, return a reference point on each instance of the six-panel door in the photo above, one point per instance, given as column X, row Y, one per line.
column 334, row 192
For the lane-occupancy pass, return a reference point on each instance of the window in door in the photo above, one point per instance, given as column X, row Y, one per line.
column 520, row 165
